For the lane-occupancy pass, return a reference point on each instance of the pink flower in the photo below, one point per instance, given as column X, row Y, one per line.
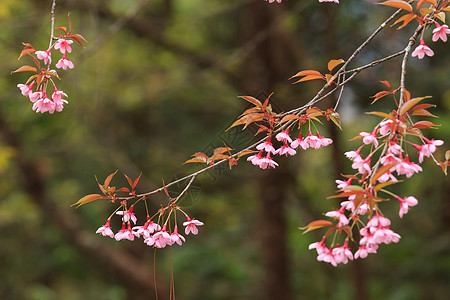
column 342, row 254
column 300, row 142
column 323, row 141
column 284, row 136
column 328, row 257
column 267, row 162
column 105, row 230
column 57, row 99
column 35, row 96
column 335, row 1
column 363, row 165
column 44, row 105
column 26, row 90
column 339, row 215
column 354, row 155
column 176, row 237
column 428, row 148
column 286, row 150
column 63, row 45
column 45, row 55
column 362, row 252
column 272, row 1
column 385, row 127
column 422, row 50
column 313, row 141
column 440, row 32
column 369, row 138
column 127, row 215
column 387, row 176
column 191, row 226
column 161, row 238
column 124, row 233
column 64, row 63
column 146, row 230
column 405, row 203
column 343, row 184
column 267, row 146
column 319, row 246
column 255, row 159
column 407, row 168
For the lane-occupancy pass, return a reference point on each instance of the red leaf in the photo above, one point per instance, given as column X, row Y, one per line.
column 310, row 77
column 316, row 225
column 334, row 63
column 307, row 73
column 108, row 179
column 87, row 199
column 424, row 124
column 25, row 69
column 398, row 4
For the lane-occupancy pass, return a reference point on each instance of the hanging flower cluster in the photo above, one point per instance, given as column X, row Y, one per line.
column 37, row 86
column 159, row 230
column 387, row 153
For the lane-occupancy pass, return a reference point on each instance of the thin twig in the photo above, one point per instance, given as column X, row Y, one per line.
column 52, row 29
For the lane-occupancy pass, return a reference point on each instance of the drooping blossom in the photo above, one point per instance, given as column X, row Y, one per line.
column 254, row 159
column 428, row 148
column 191, row 226
column 422, row 50
column 44, row 105
column 121, row 234
column 319, row 246
column 341, row 184
column 387, row 176
column 64, row 63
column 405, row 203
column 44, row 55
column 127, row 215
column 26, row 90
column 362, row 165
column 284, row 136
column 285, row 149
column 440, row 32
column 63, row 45
column 339, row 214
column 266, row 162
column 161, row 238
column 328, row 257
column 323, row 140
column 58, row 100
column 105, row 230
column 176, row 237
column 36, row 95
column 335, row 1
column 272, row 1
column 370, row 138
column 407, row 168
column 342, row 254
column 354, row 155
column 300, row 141
column 267, row 146
column 146, row 230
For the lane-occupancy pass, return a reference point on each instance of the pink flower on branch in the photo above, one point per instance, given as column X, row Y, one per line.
column 105, row 230
column 405, row 203
column 422, row 50
column 267, row 146
column 44, row 55
column 440, row 32
column 127, row 215
column 335, row 1
column 64, row 63
column 63, row 45
column 191, row 226
column 266, row 162
column 272, row 1
column 284, row 136
column 370, row 138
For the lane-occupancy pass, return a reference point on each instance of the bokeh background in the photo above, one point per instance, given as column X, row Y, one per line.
column 157, row 82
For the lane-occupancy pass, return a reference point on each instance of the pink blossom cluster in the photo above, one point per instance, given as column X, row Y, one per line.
column 439, row 33
column 153, row 234
column 40, row 97
column 361, row 201
column 310, row 141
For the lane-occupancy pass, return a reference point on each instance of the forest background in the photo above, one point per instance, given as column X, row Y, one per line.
column 158, row 81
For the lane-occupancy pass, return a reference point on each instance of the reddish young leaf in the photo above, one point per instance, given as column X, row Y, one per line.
column 310, row 77
column 410, row 104
column 195, row 160
column 288, row 118
column 108, row 179
column 334, row 117
column 26, row 50
column 221, row 150
column 316, row 225
column 423, row 112
column 25, row 69
column 307, row 73
column 380, row 114
column 252, row 100
column 424, row 124
column 398, row 4
column 245, row 152
column 334, row 63
column 386, row 83
column 266, row 102
column 406, row 19
column 136, row 181
column 87, row 199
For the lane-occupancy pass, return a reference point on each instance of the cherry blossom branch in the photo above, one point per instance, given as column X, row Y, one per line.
column 185, row 190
